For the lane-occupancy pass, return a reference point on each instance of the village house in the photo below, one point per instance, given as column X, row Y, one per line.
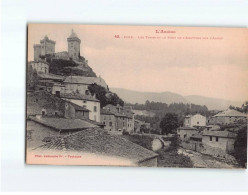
column 139, row 123
column 46, row 104
column 196, row 120
column 228, row 116
column 80, row 84
column 86, row 101
column 223, row 140
column 117, row 119
column 40, row 128
column 40, row 66
column 185, row 133
column 97, row 147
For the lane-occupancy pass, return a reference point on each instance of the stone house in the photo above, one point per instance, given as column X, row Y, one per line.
column 86, row 101
column 223, row 140
column 185, row 133
column 39, row 128
column 117, row 119
column 195, row 120
column 46, row 104
column 40, row 66
column 80, row 84
column 228, row 116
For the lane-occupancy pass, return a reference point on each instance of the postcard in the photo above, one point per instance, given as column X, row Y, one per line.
column 146, row 96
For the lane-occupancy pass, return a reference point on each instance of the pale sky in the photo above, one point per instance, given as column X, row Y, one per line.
column 213, row 68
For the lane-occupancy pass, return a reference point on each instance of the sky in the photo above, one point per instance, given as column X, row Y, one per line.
column 211, row 62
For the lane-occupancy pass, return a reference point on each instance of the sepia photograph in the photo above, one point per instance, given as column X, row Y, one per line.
column 153, row 96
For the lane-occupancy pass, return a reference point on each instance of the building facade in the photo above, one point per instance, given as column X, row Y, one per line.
column 223, row 140
column 228, row 116
column 195, row 120
column 185, row 133
column 40, row 66
column 86, row 101
column 117, row 119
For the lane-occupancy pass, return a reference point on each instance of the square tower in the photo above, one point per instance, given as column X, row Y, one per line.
column 47, row 46
column 37, row 52
column 73, row 46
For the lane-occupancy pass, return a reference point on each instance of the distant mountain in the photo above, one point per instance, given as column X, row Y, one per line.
column 133, row 97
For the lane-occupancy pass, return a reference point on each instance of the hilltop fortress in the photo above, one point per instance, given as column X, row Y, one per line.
column 47, row 46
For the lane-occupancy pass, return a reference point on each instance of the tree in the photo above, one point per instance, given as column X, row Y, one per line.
column 169, row 123
column 240, row 146
column 106, row 97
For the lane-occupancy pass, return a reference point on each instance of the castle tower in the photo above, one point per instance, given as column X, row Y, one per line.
column 37, row 52
column 73, row 46
column 47, row 46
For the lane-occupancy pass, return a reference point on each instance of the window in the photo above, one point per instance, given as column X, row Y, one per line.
column 198, row 122
column 210, row 138
column 95, row 109
column 123, row 124
column 109, row 117
column 84, row 101
column 43, row 113
column 110, row 124
column 94, row 118
column 217, row 139
column 104, row 118
column 185, row 136
column 56, row 113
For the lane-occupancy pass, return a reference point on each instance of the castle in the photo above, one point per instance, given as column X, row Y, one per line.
column 47, row 46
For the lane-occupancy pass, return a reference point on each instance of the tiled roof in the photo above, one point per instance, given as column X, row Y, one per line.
column 63, row 123
column 78, row 97
column 98, row 141
column 115, row 110
column 51, row 76
column 86, row 80
column 39, row 61
column 106, row 112
column 219, row 134
column 187, row 128
column 77, row 107
column 230, row 112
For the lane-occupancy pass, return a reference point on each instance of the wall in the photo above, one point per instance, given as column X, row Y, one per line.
column 80, row 88
column 40, row 67
column 106, row 119
column 74, row 49
column 206, row 149
column 221, row 143
column 37, row 52
column 188, row 134
column 36, row 133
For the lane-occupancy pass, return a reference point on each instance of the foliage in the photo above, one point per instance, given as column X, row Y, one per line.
column 243, row 108
column 169, row 123
column 172, row 159
column 106, row 97
column 240, row 146
column 68, row 67
column 144, row 129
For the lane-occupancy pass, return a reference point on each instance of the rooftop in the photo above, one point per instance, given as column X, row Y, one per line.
column 78, row 97
column 187, row 128
column 230, row 112
column 99, row 142
column 51, row 77
column 226, row 134
column 63, row 123
column 86, row 80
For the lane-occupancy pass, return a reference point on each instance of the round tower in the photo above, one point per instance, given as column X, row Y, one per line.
column 73, row 45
